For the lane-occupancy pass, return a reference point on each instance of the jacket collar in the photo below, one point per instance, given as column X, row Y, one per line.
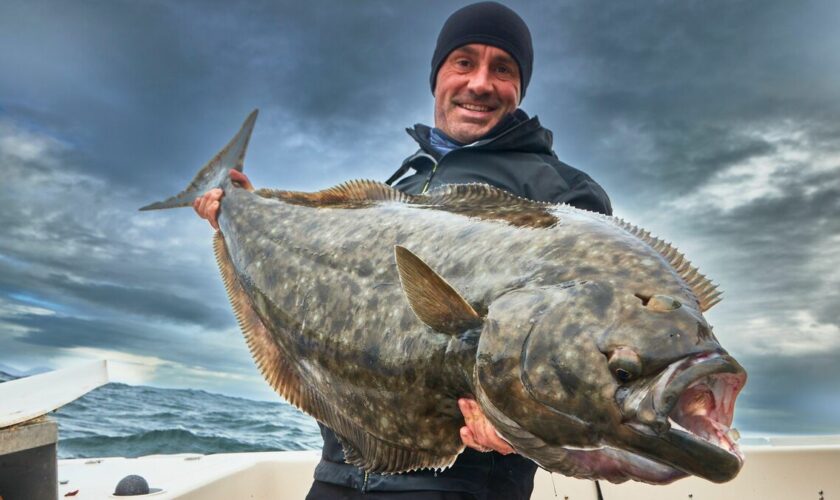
column 516, row 132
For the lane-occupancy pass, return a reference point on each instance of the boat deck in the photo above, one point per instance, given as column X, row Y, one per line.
column 801, row 468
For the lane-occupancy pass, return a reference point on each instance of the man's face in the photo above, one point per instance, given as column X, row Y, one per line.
column 476, row 86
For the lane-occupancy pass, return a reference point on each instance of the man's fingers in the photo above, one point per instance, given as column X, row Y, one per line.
column 486, row 435
column 467, row 437
column 469, row 440
column 213, row 211
column 202, row 202
column 479, row 433
column 495, row 442
column 482, row 437
column 464, row 406
column 206, row 200
column 239, row 178
column 207, row 206
column 470, row 418
column 200, row 208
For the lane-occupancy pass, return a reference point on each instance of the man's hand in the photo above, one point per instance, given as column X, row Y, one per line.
column 479, row 433
column 207, row 206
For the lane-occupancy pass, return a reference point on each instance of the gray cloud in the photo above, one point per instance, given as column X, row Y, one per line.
column 139, row 338
column 158, row 304
column 83, row 270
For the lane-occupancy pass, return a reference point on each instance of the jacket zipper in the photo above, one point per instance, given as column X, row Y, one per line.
column 364, row 484
column 429, row 179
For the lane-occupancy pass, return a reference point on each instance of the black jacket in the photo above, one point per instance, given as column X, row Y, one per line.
column 516, row 156
column 518, row 159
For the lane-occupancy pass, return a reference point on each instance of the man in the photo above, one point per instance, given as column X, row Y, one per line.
column 481, row 68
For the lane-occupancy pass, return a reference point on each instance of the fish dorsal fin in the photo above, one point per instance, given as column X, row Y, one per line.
column 432, row 299
column 349, row 194
column 486, row 202
column 475, row 193
column 702, row 288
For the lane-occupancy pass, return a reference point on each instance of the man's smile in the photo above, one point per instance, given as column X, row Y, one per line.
column 475, row 107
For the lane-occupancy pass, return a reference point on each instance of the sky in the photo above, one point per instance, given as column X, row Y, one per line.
column 713, row 124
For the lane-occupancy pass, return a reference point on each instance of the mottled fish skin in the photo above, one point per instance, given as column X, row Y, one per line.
column 333, row 301
column 325, row 282
column 581, row 336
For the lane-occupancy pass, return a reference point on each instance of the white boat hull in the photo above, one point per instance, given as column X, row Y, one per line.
column 784, row 469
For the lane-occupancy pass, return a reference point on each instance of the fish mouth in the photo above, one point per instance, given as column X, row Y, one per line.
column 683, row 418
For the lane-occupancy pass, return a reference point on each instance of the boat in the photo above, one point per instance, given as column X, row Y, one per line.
column 776, row 468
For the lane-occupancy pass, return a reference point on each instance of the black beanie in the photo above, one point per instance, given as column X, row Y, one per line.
column 488, row 23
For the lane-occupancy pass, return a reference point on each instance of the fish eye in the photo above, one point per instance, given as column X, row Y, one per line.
column 625, row 364
column 663, row 303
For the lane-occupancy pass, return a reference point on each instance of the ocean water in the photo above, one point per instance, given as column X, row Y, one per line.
column 132, row 421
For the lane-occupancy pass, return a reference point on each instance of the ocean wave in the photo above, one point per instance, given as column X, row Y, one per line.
column 132, row 421
column 165, row 441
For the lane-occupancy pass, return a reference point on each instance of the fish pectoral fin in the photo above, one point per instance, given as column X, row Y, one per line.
column 432, row 299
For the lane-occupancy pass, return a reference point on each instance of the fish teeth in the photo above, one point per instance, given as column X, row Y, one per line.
column 733, row 435
column 676, row 425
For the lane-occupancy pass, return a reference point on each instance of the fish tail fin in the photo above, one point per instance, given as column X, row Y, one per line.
column 215, row 172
